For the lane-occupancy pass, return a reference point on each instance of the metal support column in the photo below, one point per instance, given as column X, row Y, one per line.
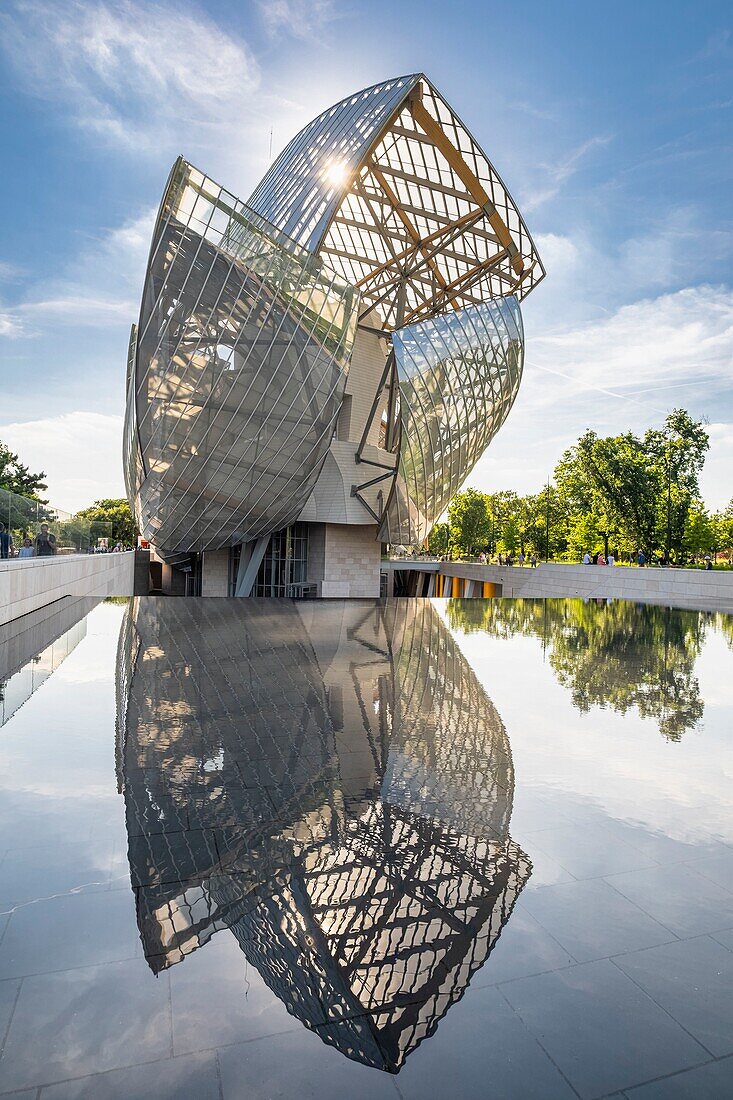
column 250, row 560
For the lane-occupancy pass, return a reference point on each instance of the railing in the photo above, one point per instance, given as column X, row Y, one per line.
column 29, row 522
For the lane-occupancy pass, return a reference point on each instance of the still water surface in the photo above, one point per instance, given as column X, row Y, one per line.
column 357, row 848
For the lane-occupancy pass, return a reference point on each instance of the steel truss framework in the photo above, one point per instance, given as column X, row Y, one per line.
column 412, row 232
column 366, row 904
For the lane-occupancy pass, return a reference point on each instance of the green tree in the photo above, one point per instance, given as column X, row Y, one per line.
column 509, row 540
column 677, row 453
column 15, row 477
column 584, row 534
column 623, row 493
column 723, row 527
column 469, row 519
column 439, row 540
column 502, row 506
column 701, row 532
column 110, row 519
column 612, row 480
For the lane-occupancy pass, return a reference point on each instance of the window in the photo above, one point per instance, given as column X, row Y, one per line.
column 285, row 563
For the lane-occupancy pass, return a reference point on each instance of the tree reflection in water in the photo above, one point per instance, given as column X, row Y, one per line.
column 330, row 782
column 613, row 654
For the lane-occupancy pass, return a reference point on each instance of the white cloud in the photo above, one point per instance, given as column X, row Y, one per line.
column 99, row 287
column 622, row 372
column 715, row 480
column 684, row 336
column 560, row 255
column 587, row 278
column 80, row 452
column 133, row 72
column 79, row 310
column 11, row 326
column 555, row 175
column 300, row 18
column 9, row 271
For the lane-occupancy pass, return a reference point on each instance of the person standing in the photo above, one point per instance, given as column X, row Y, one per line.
column 520, row 559
column 26, row 550
column 45, row 542
column 611, row 558
column 6, row 543
column 641, row 559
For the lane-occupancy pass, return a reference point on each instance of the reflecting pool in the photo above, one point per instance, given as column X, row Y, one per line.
column 412, row 848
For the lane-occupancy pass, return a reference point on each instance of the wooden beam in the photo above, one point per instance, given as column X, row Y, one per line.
column 435, row 216
column 468, row 178
column 423, row 181
column 464, row 220
column 394, row 199
column 365, row 228
column 456, row 284
column 342, row 254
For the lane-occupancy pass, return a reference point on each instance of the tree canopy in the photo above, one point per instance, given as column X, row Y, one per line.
column 110, row 518
column 619, row 494
column 15, row 476
column 469, row 521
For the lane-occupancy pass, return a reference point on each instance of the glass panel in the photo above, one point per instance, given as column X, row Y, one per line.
column 30, row 528
column 240, row 367
column 285, row 564
column 459, row 374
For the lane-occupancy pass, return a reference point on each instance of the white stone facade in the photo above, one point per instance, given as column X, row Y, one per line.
column 344, row 560
column 29, row 583
column 215, row 573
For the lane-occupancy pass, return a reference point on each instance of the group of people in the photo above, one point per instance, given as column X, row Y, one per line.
column 600, row 559
column 103, row 548
column 508, row 559
column 42, row 546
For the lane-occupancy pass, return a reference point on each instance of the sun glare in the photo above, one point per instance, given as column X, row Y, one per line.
column 337, row 173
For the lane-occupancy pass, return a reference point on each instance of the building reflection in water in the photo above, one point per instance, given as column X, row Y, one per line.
column 330, row 782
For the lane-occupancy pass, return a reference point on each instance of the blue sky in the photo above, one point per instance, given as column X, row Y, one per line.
column 611, row 125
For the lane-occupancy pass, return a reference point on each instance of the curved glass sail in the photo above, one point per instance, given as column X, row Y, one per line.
column 305, row 185
column 131, row 465
column 395, row 192
column 458, row 374
column 330, row 783
column 240, row 366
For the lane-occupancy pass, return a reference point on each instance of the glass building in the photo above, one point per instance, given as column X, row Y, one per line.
column 315, row 372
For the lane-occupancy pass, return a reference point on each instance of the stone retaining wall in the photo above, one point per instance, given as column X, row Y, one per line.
column 29, row 583
column 695, row 588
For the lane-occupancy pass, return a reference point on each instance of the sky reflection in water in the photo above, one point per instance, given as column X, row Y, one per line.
column 363, row 819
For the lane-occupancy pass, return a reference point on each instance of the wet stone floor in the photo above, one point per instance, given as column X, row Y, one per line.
column 409, row 848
